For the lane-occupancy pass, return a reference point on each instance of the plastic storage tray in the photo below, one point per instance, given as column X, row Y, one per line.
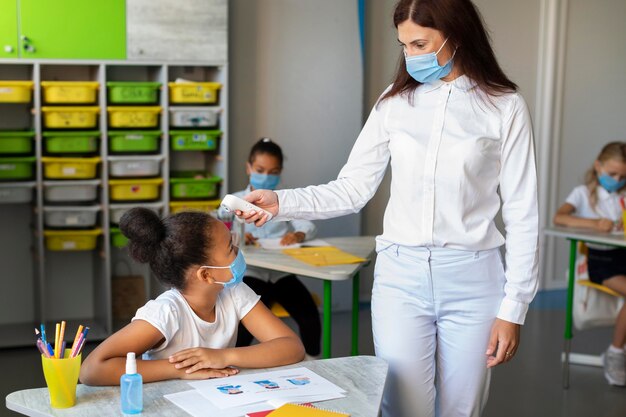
column 123, row 92
column 21, row 168
column 191, row 184
column 70, row 117
column 71, row 240
column 70, row 216
column 118, row 210
column 134, row 141
column 206, row 206
column 70, row 92
column 138, row 116
column 16, row 91
column 70, row 168
column 194, row 140
column 190, row 92
column 71, row 142
column 194, row 116
column 135, row 189
column 12, row 142
column 70, row 191
column 18, row 192
column 128, row 166
column 118, row 240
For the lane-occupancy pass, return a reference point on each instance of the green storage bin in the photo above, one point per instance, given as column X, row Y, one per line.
column 194, row 140
column 193, row 184
column 123, row 92
column 71, row 142
column 118, row 240
column 16, row 142
column 17, row 168
column 134, row 141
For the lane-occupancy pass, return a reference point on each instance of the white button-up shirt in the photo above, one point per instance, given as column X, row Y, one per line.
column 454, row 157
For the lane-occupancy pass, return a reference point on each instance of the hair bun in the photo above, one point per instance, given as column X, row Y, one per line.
column 145, row 230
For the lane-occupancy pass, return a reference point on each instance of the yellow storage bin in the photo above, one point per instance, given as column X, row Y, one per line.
column 135, row 189
column 71, row 239
column 70, row 117
column 206, row 206
column 69, row 168
column 135, row 116
column 70, row 92
column 206, row 92
column 16, row 91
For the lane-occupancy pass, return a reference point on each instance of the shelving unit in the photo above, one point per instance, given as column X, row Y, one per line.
column 44, row 285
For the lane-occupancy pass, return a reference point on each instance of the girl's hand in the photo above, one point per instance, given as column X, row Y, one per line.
column 195, row 359
column 265, row 199
column 604, row 225
column 292, row 237
column 250, row 240
column 503, row 342
column 211, row 373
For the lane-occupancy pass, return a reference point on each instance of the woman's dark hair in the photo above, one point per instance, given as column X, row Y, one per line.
column 170, row 246
column 266, row 145
column 462, row 24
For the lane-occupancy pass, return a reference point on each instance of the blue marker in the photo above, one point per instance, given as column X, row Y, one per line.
column 43, row 334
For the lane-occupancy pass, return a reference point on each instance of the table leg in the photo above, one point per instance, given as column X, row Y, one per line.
column 328, row 299
column 355, row 314
column 568, row 310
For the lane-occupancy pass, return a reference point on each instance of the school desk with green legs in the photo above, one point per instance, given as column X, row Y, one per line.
column 361, row 246
column 574, row 236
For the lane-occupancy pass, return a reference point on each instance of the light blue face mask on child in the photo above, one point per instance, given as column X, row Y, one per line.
column 610, row 184
column 237, row 268
column 264, row 181
column 425, row 68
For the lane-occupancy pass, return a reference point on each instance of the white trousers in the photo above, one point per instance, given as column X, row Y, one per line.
column 432, row 312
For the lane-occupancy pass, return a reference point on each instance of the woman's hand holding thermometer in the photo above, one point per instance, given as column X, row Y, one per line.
column 264, row 208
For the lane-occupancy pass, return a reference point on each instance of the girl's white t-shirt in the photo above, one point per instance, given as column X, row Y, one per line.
column 171, row 315
column 608, row 205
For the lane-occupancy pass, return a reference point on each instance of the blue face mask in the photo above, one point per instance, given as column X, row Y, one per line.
column 425, row 68
column 264, row 181
column 237, row 268
column 611, row 184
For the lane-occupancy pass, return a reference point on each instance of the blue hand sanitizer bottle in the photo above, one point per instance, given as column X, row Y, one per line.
column 131, row 385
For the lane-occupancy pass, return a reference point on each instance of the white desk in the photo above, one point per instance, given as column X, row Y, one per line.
column 575, row 236
column 361, row 246
column 363, row 377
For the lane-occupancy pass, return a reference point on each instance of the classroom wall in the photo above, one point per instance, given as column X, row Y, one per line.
column 296, row 76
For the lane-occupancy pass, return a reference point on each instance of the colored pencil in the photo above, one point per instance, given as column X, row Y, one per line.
column 57, row 329
column 43, row 334
column 42, row 349
column 79, row 332
column 62, row 354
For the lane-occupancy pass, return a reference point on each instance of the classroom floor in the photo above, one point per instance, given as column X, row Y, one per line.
column 528, row 386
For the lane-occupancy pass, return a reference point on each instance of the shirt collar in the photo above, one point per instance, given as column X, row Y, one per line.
column 463, row 83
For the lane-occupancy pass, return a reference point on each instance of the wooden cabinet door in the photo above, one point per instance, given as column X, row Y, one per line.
column 181, row 30
column 8, row 29
column 73, row 29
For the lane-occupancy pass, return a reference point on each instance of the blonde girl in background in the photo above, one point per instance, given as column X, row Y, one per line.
column 189, row 331
column 596, row 206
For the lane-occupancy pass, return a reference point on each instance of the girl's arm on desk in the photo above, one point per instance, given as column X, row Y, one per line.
column 107, row 363
column 564, row 217
column 279, row 345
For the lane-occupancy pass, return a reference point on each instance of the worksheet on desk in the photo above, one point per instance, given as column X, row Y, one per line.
column 274, row 243
column 241, row 390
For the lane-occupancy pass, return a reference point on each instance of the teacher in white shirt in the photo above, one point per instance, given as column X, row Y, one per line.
column 459, row 139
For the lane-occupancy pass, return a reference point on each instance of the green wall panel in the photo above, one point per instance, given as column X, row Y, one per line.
column 73, row 29
column 8, row 29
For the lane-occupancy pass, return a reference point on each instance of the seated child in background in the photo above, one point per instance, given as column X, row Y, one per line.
column 189, row 331
column 264, row 166
column 596, row 206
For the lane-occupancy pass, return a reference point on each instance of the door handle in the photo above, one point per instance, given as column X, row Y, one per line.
column 8, row 49
column 26, row 45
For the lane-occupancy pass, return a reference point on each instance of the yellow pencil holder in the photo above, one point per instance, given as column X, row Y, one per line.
column 61, row 377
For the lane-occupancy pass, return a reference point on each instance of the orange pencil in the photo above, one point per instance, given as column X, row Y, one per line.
column 78, row 332
column 57, row 329
column 61, row 337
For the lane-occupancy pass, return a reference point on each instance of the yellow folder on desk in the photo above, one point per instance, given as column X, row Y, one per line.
column 296, row 410
column 323, row 256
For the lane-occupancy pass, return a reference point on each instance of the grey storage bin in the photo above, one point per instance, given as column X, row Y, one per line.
column 134, row 166
column 118, row 210
column 16, row 192
column 70, row 191
column 70, row 217
column 194, row 116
